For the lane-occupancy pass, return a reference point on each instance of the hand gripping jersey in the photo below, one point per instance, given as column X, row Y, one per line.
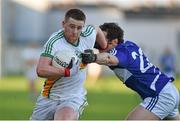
column 135, row 70
column 67, row 87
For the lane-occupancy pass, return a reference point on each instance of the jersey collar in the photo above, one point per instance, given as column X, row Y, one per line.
column 73, row 44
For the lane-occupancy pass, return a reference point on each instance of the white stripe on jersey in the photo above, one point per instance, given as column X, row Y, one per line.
column 154, row 81
column 113, row 51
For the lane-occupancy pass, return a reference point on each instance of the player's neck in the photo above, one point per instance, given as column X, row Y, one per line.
column 74, row 43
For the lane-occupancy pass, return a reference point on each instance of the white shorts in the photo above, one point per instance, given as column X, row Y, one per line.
column 165, row 105
column 45, row 107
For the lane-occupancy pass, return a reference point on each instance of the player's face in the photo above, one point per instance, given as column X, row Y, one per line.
column 72, row 29
column 111, row 43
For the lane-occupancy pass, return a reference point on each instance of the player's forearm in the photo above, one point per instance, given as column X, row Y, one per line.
column 50, row 72
column 106, row 59
column 46, row 70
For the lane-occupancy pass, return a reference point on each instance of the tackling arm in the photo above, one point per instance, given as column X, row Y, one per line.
column 102, row 58
column 106, row 59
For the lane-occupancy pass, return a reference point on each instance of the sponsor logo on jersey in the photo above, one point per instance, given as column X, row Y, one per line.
column 61, row 63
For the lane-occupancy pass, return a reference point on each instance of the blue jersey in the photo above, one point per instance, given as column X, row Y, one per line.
column 135, row 70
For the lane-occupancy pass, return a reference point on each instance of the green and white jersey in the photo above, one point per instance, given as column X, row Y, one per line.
column 67, row 87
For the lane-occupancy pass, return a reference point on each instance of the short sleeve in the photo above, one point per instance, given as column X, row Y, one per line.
column 48, row 48
column 89, row 35
column 122, row 55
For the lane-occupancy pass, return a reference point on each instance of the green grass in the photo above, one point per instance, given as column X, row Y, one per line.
column 108, row 99
column 108, row 105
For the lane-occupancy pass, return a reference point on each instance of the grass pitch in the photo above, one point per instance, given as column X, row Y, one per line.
column 108, row 99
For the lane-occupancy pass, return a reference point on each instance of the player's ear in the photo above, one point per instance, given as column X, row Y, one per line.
column 63, row 22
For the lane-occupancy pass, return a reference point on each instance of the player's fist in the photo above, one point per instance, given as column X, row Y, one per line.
column 72, row 68
column 88, row 56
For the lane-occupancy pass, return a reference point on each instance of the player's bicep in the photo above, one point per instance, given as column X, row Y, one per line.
column 44, row 62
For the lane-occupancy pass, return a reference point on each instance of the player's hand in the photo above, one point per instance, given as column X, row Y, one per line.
column 72, row 68
column 88, row 56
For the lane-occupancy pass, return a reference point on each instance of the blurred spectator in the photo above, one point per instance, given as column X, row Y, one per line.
column 167, row 63
column 30, row 57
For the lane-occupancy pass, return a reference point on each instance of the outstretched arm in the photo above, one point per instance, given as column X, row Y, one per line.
column 102, row 58
column 106, row 59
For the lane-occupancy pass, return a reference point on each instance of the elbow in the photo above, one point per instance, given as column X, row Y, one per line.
column 40, row 72
column 104, row 46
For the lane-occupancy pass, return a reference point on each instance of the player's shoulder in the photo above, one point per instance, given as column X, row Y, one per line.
column 57, row 34
column 126, row 45
column 129, row 43
column 87, row 30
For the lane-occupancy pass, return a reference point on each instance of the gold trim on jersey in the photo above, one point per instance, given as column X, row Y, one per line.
column 47, row 87
column 82, row 65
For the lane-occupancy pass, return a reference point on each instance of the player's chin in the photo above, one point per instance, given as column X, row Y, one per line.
column 73, row 39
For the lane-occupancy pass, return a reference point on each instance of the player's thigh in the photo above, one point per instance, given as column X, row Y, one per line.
column 44, row 109
column 177, row 117
column 140, row 113
column 72, row 107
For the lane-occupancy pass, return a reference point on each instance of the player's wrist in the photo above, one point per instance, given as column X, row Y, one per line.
column 89, row 58
column 94, row 58
column 66, row 72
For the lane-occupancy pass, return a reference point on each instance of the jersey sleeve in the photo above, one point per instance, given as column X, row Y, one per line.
column 89, row 33
column 122, row 55
column 48, row 48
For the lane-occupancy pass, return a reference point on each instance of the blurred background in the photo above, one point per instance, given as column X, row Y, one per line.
column 27, row 24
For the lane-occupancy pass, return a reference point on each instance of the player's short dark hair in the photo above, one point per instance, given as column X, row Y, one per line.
column 75, row 14
column 113, row 31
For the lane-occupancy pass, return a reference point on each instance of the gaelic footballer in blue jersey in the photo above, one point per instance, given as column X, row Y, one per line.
column 129, row 63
